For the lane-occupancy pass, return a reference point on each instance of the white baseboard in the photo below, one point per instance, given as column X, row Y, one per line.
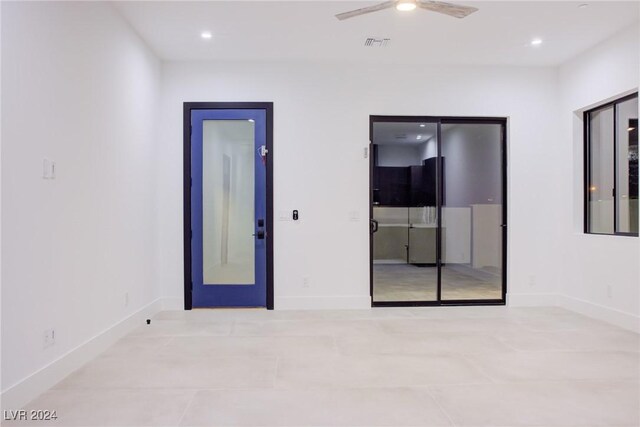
column 18, row 395
column 173, row 303
column 600, row 312
column 531, row 300
column 596, row 311
column 296, row 303
column 322, row 303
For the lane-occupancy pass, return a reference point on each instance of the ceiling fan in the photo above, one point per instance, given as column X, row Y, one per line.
column 455, row 10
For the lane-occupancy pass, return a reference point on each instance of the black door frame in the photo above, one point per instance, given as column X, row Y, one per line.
column 439, row 121
column 188, row 107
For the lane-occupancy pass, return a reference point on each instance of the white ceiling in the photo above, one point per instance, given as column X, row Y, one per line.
column 404, row 133
column 499, row 33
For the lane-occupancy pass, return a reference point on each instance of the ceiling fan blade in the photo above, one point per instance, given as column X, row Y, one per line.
column 364, row 10
column 455, row 10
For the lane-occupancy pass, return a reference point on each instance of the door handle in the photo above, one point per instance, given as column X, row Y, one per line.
column 260, row 234
column 374, row 225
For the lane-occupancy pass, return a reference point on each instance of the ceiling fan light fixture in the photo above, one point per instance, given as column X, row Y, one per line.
column 451, row 9
column 406, row 5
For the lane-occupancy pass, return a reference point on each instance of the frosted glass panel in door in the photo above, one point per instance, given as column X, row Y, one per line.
column 228, row 220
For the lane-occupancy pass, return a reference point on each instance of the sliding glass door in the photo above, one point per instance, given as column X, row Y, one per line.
column 438, row 213
column 472, row 211
column 404, row 204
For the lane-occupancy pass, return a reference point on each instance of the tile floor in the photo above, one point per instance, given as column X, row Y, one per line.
column 408, row 282
column 432, row 366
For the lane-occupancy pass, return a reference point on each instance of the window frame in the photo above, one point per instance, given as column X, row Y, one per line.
column 587, row 164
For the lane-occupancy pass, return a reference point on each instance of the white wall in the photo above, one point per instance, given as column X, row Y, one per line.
column 600, row 274
column 400, row 155
column 430, row 148
column 1, row 381
column 321, row 128
column 80, row 88
column 472, row 164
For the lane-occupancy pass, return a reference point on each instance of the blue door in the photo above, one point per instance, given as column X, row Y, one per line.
column 228, row 208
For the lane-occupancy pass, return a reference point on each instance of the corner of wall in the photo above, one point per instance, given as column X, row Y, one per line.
column 610, row 315
column 104, row 153
column 46, row 377
column 600, row 274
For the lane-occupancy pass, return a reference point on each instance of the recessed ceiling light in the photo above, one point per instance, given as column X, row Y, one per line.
column 419, row 137
column 406, row 5
column 536, row 42
column 206, row 35
column 422, row 125
column 583, row 6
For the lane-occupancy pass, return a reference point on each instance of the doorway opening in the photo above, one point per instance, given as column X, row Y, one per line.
column 438, row 211
column 228, row 205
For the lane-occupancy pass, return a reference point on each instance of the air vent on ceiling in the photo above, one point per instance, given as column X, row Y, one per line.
column 377, row 42
column 401, row 136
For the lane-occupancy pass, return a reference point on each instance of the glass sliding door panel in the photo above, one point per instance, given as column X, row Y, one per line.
column 228, row 195
column 404, row 208
column 471, row 211
column 627, row 166
column 601, row 179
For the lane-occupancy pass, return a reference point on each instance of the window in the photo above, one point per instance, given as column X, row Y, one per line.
column 611, row 168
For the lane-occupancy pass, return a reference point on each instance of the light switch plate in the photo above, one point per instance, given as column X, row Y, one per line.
column 48, row 169
column 49, row 338
column 284, row 215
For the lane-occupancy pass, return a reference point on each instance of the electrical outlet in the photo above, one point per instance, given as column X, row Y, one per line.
column 354, row 216
column 49, row 338
column 609, row 291
column 306, row 283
